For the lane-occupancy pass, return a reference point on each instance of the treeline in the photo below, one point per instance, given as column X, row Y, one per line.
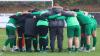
column 78, row 2
column 88, row 5
column 15, row 3
column 24, row 4
column 61, row 2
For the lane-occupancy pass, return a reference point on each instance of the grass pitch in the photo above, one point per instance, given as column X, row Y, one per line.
column 64, row 53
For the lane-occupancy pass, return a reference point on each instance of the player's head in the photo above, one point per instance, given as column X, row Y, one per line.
column 86, row 13
column 75, row 9
column 18, row 13
column 66, row 9
column 57, row 9
column 33, row 10
column 56, row 4
column 49, row 9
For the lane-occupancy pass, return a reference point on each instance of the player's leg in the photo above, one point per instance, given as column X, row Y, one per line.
column 94, row 37
column 35, row 43
column 10, row 31
column 28, row 43
column 70, row 34
column 60, row 38
column 94, row 40
column 88, row 30
column 83, row 38
column 43, row 30
column 12, row 39
column 77, row 35
column 35, row 39
column 20, row 35
column 11, row 36
column 52, row 38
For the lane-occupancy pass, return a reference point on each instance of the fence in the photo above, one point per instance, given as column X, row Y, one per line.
column 4, row 18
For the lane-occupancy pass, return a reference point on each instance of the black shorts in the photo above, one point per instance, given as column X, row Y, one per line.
column 20, row 31
column 42, row 30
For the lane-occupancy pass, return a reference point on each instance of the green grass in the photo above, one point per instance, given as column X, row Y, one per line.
column 64, row 53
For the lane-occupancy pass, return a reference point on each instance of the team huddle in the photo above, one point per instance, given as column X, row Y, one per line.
column 34, row 25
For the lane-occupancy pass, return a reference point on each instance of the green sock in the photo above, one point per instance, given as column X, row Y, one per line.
column 94, row 41
column 14, row 42
column 35, row 43
column 44, row 37
column 69, row 49
column 11, row 43
column 84, row 42
column 81, row 44
column 34, row 39
column 87, row 47
column 7, row 42
column 76, row 49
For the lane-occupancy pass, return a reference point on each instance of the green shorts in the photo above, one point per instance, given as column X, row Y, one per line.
column 10, row 30
column 86, row 29
column 73, row 31
column 94, row 28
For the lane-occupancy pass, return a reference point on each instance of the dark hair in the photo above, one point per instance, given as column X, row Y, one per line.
column 76, row 9
column 57, row 10
column 66, row 9
column 33, row 10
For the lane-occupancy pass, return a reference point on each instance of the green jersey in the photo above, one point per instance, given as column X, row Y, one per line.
column 56, row 16
column 61, row 17
column 93, row 20
column 83, row 19
column 40, row 12
column 11, row 22
column 52, row 17
column 71, row 18
column 71, row 21
column 42, row 23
